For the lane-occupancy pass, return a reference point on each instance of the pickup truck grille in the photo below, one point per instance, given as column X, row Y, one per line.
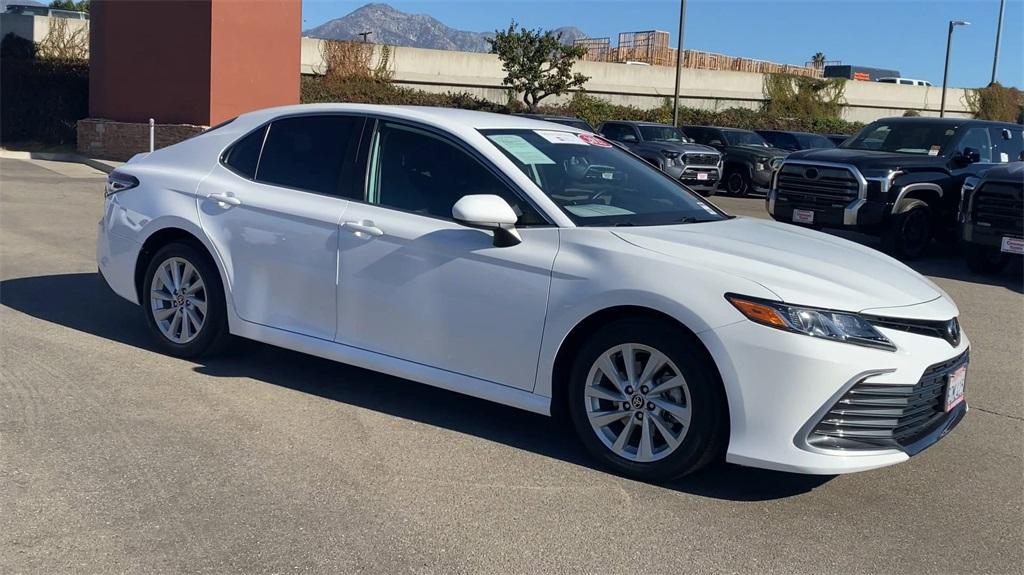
column 999, row 206
column 879, row 416
column 816, row 186
column 701, row 159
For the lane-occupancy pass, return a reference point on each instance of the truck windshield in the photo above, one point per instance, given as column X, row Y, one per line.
column 744, row 138
column 920, row 138
column 663, row 134
column 598, row 184
column 811, row 141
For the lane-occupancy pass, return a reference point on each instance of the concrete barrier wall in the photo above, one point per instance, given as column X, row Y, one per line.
column 641, row 86
column 34, row 28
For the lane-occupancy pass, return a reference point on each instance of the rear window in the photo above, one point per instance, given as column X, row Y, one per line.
column 308, row 152
column 245, row 154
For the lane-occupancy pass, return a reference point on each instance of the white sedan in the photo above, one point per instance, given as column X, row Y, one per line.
column 538, row 266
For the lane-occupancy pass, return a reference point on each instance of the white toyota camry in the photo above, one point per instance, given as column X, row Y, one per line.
column 538, row 266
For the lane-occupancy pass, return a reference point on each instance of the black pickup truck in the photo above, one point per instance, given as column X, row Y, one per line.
column 992, row 217
column 899, row 178
column 749, row 161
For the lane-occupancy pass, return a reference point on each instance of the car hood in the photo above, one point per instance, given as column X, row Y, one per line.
column 756, row 151
column 685, row 148
column 800, row 266
column 868, row 159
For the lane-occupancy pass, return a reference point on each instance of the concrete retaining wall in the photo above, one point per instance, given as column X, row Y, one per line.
column 642, row 86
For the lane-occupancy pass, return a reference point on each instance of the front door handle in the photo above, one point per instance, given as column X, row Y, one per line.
column 226, row 199
column 364, row 228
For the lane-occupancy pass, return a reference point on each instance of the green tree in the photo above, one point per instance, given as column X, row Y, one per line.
column 80, row 6
column 536, row 63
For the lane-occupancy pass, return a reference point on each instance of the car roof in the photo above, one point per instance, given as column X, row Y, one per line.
column 548, row 117
column 636, row 123
column 947, row 121
column 454, row 119
column 790, row 132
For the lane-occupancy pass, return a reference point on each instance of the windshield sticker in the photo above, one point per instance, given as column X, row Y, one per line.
column 521, row 149
column 594, row 140
column 1004, row 157
column 559, row 137
column 933, row 151
column 950, row 132
column 597, row 210
column 707, row 208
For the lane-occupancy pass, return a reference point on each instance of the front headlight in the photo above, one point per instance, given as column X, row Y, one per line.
column 840, row 326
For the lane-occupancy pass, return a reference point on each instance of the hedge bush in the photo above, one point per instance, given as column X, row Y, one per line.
column 360, row 89
column 42, row 99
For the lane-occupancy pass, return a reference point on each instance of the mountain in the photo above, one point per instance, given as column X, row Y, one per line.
column 390, row 26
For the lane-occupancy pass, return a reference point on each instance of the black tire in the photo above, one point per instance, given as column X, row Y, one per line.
column 707, row 433
column 737, row 182
column 909, row 232
column 213, row 334
column 985, row 259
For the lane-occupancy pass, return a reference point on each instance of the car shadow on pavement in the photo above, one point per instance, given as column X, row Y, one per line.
column 84, row 303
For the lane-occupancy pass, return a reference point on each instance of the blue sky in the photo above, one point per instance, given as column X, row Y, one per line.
column 907, row 35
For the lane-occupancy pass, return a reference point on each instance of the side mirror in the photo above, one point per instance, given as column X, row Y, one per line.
column 488, row 212
column 969, row 156
column 716, row 143
column 631, row 138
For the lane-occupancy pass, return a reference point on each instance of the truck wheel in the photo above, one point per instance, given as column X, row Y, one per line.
column 909, row 231
column 737, row 183
column 985, row 259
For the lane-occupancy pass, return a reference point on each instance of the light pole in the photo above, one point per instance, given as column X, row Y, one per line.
column 945, row 74
column 999, row 32
column 679, row 61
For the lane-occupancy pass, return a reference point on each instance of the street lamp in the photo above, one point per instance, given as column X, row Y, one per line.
column 679, row 62
column 945, row 73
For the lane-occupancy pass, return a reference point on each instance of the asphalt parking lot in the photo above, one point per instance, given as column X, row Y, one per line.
column 114, row 458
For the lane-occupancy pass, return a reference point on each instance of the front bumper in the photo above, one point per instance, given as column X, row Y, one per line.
column 985, row 236
column 780, row 385
column 859, row 213
column 690, row 176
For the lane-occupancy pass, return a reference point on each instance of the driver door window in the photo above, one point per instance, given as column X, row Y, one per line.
column 978, row 140
column 416, row 171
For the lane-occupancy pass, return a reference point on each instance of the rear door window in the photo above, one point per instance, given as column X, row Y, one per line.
column 1008, row 144
column 310, row 153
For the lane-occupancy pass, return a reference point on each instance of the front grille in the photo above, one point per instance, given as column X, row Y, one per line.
column 701, row 159
column 879, row 416
column 948, row 330
column 999, row 206
column 816, row 186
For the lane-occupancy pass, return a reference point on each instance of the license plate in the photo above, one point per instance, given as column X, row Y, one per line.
column 702, row 176
column 955, row 387
column 1012, row 245
column 803, row 216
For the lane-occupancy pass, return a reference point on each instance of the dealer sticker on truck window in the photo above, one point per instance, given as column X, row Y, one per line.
column 1012, row 245
column 803, row 216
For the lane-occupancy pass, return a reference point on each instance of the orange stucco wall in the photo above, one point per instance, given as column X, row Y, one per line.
column 192, row 61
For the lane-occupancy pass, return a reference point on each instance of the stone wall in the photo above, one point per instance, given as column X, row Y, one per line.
column 109, row 140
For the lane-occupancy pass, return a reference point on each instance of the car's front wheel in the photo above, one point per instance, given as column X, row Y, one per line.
column 184, row 301
column 737, row 183
column 645, row 402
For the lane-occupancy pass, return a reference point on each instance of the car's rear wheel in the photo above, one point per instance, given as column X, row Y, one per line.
column 184, row 301
column 737, row 183
column 645, row 403
column 985, row 259
column 910, row 230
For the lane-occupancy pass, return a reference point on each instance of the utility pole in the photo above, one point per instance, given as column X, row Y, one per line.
column 945, row 74
column 364, row 35
column 679, row 61
column 999, row 32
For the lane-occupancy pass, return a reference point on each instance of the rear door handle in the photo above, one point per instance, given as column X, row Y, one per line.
column 226, row 199
column 365, row 227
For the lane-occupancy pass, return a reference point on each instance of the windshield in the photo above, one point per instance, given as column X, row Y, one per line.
column 744, row 138
column 663, row 134
column 598, row 184
column 811, row 141
column 903, row 138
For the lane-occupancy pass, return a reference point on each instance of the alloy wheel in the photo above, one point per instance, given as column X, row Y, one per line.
column 178, row 300
column 637, row 402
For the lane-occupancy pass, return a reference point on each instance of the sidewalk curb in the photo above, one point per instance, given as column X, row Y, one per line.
column 104, row 166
